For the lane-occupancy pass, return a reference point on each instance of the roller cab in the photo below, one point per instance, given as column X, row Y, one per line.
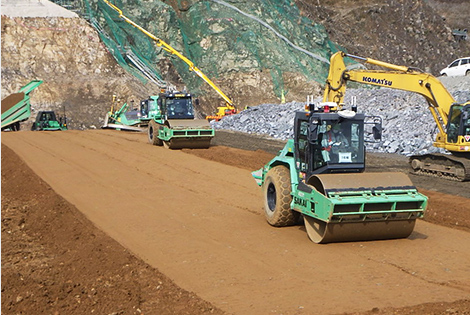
column 318, row 178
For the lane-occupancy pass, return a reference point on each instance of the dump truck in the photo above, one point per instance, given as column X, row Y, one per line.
column 16, row 107
column 48, row 121
column 172, row 123
column 319, row 177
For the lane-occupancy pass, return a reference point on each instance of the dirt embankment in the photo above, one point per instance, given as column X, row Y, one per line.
column 55, row 261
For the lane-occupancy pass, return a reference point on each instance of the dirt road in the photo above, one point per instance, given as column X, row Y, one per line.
column 200, row 223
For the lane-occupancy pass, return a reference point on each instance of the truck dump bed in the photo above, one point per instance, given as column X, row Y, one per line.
column 16, row 107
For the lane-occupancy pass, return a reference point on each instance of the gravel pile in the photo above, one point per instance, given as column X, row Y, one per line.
column 408, row 126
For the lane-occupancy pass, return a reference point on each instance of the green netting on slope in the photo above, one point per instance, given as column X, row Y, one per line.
column 221, row 38
column 240, row 39
column 123, row 40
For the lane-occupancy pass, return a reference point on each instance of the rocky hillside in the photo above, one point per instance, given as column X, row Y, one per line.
column 231, row 43
column 403, row 32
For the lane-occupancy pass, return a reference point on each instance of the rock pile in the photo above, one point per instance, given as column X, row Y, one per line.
column 408, row 126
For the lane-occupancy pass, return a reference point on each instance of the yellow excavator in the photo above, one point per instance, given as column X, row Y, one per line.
column 229, row 107
column 452, row 119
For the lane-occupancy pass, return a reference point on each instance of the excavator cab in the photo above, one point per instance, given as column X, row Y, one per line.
column 458, row 125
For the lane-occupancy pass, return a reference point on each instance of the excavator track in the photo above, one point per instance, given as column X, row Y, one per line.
column 440, row 165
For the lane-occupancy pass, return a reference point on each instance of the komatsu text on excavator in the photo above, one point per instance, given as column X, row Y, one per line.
column 452, row 119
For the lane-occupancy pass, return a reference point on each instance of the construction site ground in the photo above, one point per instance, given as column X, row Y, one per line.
column 101, row 222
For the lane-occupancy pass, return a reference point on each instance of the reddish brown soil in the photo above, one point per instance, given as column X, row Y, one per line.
column 55, row 261
column 61, row 259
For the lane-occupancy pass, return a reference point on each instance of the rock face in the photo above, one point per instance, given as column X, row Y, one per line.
column 403, row 32
column 255, row 51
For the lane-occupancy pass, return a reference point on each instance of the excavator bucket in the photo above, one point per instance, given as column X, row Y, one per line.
column 362, row 207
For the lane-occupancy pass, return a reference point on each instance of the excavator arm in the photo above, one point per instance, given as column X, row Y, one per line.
column 160, row 43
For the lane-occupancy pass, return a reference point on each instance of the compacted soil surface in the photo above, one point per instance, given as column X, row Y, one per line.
column 102, row 222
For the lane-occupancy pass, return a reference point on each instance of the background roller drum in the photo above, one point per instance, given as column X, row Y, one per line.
column 277, row 198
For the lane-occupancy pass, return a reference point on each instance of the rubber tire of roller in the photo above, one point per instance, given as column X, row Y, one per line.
column 153, row 139
column 277, row 198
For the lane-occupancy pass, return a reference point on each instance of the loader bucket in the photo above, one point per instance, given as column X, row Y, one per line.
column 362, row 207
